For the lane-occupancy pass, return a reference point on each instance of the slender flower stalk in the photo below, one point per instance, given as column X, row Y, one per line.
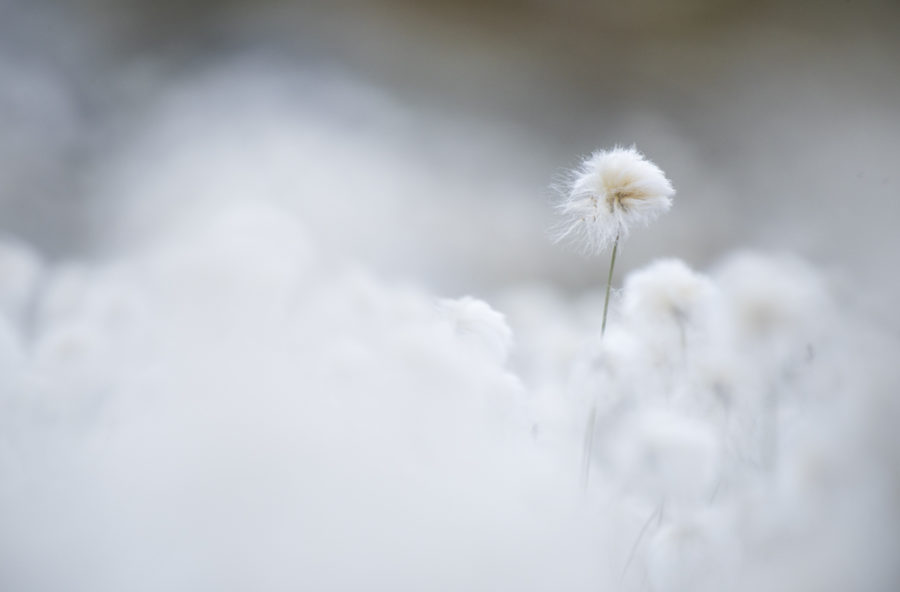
column 612, row 265
column 592, row 417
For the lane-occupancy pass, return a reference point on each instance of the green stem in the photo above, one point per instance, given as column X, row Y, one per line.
column 612, row 265
column 592, row 418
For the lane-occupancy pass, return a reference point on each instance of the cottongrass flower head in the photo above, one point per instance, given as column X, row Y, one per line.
column 612, row 191
column 668, row 299
column 667, row 289
column 774, row 298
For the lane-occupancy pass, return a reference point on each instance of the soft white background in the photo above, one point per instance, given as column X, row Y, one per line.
column 226, row 363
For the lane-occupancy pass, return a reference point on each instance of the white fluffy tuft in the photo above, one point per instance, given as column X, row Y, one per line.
column 612, row 191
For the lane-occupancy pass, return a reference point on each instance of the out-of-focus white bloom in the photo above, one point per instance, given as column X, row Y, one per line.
column 692, row 555
column 667, row 290
column 610, row 192
column 610, row 372
column 673, row 310
column 545, row 355
column 475, row 321
column 246, row 254
column 660, row 454
column 70, row 348
column 773, row 296
column 11, row 350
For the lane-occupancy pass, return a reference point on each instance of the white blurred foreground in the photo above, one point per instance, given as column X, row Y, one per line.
column 227, row 409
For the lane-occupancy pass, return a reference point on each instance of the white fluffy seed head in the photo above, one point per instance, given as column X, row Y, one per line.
column 609, row 193
column 777, row 302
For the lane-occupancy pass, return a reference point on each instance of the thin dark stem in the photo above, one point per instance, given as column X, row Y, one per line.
column 657, row 513
column 612, row 265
